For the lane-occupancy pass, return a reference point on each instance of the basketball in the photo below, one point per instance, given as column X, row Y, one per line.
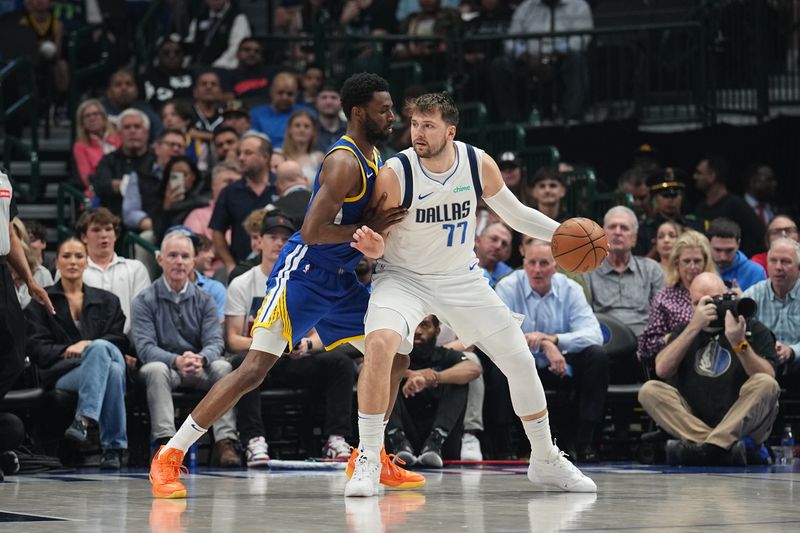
column 579, row 245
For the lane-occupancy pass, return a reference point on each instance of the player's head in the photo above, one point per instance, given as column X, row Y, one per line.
column 367, row 104
column 434, row 118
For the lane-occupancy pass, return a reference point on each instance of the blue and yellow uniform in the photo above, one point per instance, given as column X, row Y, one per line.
column 315, row 286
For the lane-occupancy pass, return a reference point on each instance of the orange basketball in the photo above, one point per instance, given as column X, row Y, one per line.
column 579, row 245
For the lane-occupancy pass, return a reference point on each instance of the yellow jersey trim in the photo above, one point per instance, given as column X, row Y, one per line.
column 342, row 341
column 281, row 312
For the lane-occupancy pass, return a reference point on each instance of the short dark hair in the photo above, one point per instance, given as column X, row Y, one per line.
column 219, row 130
column 719, row 166
column 97, row 215
column 358, row 89
column 430, row 102
column 182, row 108
column 203, row 244
column 249, row 40
column 172, row 162
column 724, row 228
column 633, row 176
column 170, row 131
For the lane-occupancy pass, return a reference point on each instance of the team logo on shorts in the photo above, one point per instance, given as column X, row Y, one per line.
column 306, row 268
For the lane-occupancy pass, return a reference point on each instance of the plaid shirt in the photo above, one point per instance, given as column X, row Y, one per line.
column 782, row 317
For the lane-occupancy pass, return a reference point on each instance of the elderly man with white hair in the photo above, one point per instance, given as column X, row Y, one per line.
column 178, row 338
column 624, row 285
column 778, row 300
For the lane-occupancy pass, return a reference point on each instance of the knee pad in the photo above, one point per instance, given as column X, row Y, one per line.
column 508, row 350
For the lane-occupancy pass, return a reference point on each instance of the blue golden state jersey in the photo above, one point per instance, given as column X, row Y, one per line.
column 342, row 256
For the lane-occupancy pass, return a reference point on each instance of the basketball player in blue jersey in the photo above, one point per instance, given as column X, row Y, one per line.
column 313, row 283
column 428, row 266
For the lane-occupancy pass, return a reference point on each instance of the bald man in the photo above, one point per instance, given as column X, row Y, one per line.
column 272, row 119
column 722, row 398
column 292, row 186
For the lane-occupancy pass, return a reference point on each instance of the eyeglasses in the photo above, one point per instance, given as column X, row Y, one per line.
column 692, row 262
column 782, row 231
column 92, row 114
column 174, row 145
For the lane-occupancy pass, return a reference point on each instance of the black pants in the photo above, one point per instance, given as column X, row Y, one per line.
column 12, row 432
column 327, row 374
column 589, row 382
column 12, row 332
column 438, row 407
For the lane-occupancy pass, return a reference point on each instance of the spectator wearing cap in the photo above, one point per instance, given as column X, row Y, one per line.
column 167, row 79
column 667, row 188
column 711, row 178
column 633, row 182
column 547, row 190
column 492, row 246
column 250, row 80
column 513, row 174
column 292, row 186
column 242, row 197
column 236, row 116
column 215, row 34
column 780, row 226
column 735, row 269
column 330, row 123
column 272, row 119
column 645, row 158
column 178, row 337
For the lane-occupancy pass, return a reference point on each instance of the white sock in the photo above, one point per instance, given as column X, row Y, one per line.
column 538, row 432
column 370, row 431
column 187, row 435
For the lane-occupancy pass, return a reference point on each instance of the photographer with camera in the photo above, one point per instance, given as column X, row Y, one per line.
column 719, row 392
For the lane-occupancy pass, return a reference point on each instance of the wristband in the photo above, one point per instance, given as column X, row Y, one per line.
column 742, row 346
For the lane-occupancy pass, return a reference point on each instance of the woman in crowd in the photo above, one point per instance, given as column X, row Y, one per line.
column 80, row 349
column 34, row 260
column 182, row 191
column 300, row 143
column 96, row 138
column 672, row 306
column 668, row 232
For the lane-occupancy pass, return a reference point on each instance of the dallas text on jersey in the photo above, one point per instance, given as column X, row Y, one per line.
column 443, row 213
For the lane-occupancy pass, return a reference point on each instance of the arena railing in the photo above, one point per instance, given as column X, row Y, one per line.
column 21, row 75
column 69, row 203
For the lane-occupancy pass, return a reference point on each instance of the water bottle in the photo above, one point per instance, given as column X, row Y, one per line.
column 787, row 446
column 191, row 457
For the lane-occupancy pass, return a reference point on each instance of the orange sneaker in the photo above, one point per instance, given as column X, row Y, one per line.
column 165, row 470
column 392, row 475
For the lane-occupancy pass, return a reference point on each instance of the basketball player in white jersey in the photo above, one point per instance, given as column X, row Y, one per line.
column 429, row 267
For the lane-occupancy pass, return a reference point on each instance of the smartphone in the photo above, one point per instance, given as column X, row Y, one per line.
column 177, row 183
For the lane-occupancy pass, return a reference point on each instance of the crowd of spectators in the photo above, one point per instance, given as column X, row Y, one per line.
column 210, row 156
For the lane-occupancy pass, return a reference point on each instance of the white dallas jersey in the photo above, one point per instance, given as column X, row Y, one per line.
column 438, row 234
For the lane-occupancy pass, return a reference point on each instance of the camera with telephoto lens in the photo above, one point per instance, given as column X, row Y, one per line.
column 745, row 307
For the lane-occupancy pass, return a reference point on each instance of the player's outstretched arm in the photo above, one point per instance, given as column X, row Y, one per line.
column 522, row 218
column 339, row 178
column 368, row 242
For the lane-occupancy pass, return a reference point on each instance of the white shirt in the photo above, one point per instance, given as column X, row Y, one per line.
column 124, row 277
column 244, row 293
column 240, row 29
column 438, row 234
column 532, row 16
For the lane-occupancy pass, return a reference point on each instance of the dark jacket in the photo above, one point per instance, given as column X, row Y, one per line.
column 114, row 166
column 49, row 335
column 294, row 205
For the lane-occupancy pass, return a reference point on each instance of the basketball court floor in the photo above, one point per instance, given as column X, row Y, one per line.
column 472, row 499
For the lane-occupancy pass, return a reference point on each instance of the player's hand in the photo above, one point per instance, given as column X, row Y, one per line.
column 380, row 219
column 368, row 242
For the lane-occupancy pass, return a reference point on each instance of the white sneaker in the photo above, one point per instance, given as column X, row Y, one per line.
column 366, row 478
column 470, row 448
column 336, row 448
column 257, row 453
column 559, row 473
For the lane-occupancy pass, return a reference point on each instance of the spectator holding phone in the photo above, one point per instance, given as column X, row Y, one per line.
column 181, row 193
